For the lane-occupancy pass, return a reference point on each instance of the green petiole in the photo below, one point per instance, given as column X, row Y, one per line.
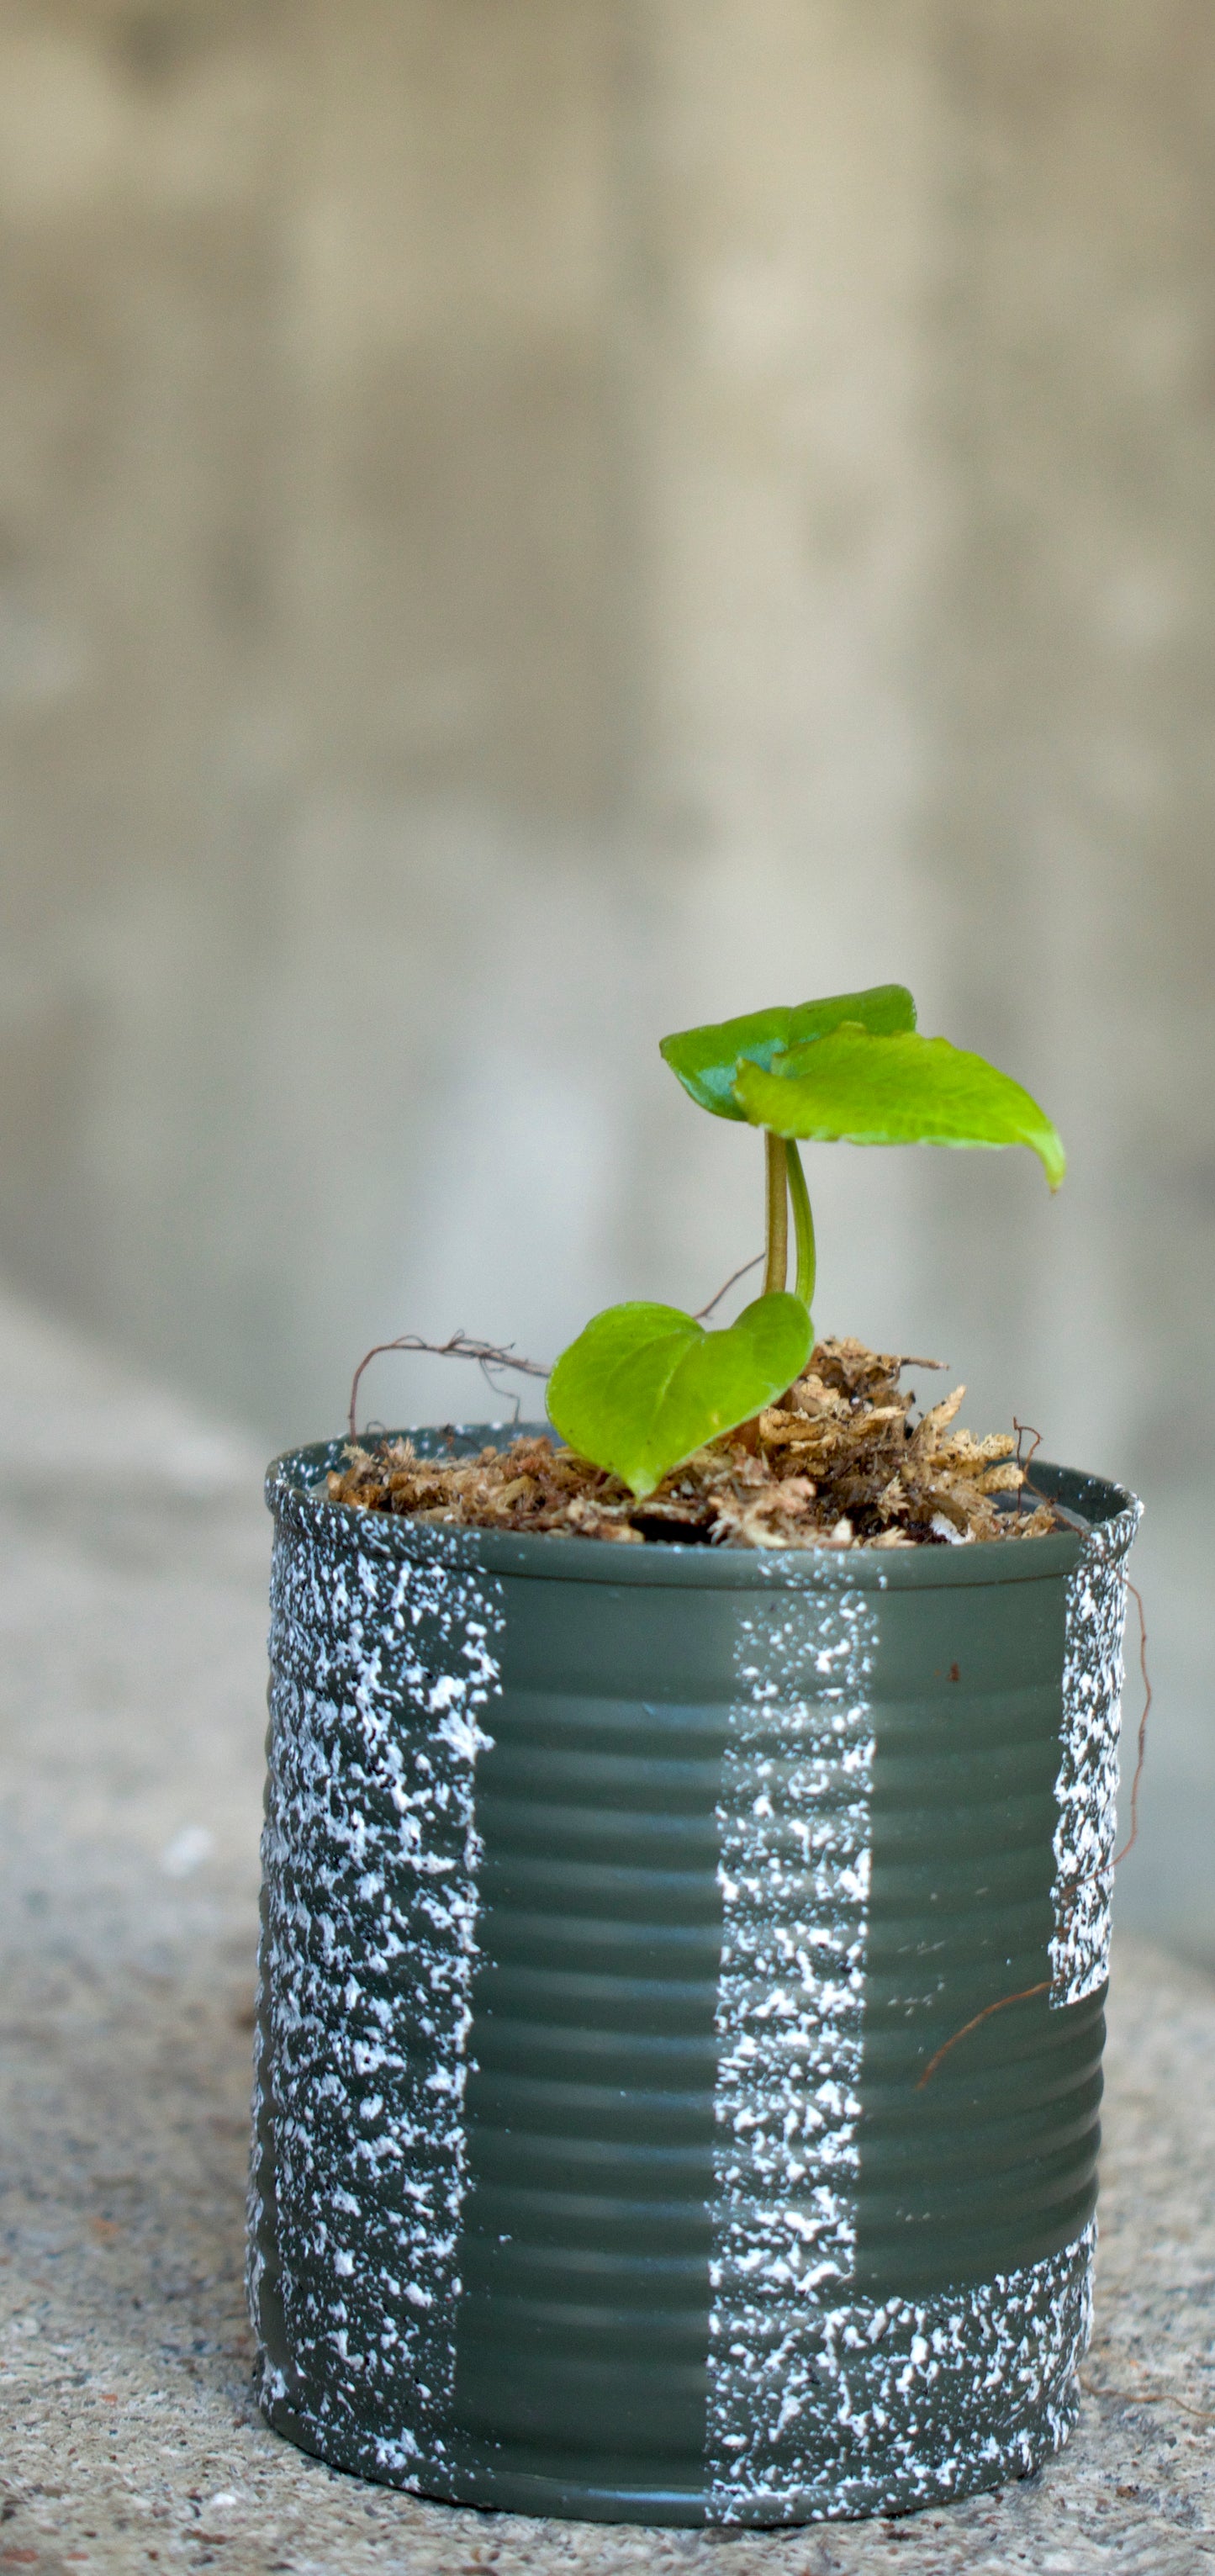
column 803, row 1226
column 776, row 1165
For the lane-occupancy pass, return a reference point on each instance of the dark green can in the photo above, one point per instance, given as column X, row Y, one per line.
column 616, row 1902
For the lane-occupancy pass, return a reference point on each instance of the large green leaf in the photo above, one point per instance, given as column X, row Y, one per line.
column 644, row 1386
column 897, row 1090
column 707, row 1060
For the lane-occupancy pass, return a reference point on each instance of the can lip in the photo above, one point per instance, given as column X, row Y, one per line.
column 1101, row 1506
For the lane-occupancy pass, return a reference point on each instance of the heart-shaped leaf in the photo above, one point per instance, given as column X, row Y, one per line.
column 707, row 1060
column 644, row 1386
column 896, row 1090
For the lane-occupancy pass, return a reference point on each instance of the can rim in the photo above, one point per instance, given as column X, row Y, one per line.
column 1104, row 1510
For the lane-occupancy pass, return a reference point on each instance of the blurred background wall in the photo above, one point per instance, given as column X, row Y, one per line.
column 524, row 523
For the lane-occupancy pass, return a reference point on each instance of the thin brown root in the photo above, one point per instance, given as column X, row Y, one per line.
column 735, row 1276
column 490, row 1355
column 1025, row 1463
column 1133, row 1835
column 1042, row 1988
column 1129, row 1844
column 1146, row 2397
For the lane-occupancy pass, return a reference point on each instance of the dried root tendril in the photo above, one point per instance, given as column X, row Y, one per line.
column 1025, row 1993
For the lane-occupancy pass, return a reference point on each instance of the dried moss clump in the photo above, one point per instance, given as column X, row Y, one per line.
column 842, row 1461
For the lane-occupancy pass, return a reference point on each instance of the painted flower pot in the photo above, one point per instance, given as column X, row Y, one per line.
column 616, row 1902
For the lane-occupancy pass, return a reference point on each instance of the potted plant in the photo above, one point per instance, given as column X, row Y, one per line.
column 683, row 1960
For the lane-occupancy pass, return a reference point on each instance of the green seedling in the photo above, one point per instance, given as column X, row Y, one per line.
column 645, row 1386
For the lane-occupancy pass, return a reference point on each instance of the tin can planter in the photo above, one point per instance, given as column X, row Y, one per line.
column 616, row 1901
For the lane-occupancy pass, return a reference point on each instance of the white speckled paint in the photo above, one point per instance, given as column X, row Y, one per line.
column 794, row 1825
column 909, row 2402
column 823, row 2404
column 370, row 1859
column 1086, row 1789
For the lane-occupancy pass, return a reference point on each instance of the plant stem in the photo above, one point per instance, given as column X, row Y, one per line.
column 777, row 1169
column 804, row 1226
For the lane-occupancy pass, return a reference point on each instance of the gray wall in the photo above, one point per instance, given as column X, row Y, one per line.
column 525, row 522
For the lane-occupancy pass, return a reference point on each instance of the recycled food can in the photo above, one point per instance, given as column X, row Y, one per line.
column 618, row 1901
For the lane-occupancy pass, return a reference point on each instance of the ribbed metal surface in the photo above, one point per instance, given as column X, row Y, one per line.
column 993, row 2164
column 586, row 2247
column 581, row 2365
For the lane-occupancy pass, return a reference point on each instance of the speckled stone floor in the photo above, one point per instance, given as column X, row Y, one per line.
column 132, row 1583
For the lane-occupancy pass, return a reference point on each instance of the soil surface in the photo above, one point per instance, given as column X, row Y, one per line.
column 844, row 1460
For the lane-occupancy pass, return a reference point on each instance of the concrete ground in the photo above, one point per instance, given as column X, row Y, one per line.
column 132, row 1584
